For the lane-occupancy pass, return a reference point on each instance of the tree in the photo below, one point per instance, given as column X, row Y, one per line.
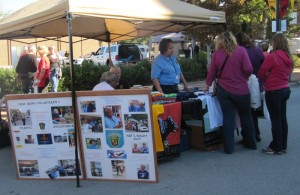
column 142, row 41
column 250, row 16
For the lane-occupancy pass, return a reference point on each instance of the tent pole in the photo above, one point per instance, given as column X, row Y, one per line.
column 69, row 19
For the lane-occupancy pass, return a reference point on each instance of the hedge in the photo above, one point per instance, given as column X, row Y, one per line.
column 88, row 75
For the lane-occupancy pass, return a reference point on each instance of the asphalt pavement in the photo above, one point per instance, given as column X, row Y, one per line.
column 194, row 172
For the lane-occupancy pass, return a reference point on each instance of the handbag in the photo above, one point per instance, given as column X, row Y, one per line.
column 216, row 82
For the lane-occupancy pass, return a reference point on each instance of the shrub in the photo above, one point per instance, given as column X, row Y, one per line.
column 88, row 75
column 194, row 69
column 8, row 82
column 296, row 61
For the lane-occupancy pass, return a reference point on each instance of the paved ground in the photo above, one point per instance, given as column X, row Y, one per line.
column 194, row 172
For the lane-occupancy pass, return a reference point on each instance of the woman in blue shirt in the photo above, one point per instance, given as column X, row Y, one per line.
column 166, row 72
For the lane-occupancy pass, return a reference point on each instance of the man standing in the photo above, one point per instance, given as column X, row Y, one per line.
column 26, row 68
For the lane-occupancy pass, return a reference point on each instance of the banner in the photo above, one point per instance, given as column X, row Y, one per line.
column 272, row 6
column 283, row 7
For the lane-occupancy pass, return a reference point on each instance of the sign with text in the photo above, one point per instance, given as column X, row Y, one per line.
column 42, row 134
column 117, row 135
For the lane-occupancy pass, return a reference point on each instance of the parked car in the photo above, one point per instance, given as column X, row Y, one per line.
column 79, row 61
column 144, row 50
column 120, row 53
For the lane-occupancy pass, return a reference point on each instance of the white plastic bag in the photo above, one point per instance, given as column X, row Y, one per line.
column 266, row 111
column 254, row 91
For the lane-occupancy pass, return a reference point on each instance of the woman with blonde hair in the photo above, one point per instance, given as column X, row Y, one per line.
column 55, row 69
column 42, row 78
column 233, row 66
column 275, row 72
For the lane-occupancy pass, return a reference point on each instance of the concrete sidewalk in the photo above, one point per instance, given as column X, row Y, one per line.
column 194, row 172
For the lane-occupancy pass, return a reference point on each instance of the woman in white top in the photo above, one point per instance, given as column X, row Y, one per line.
column 55, row 69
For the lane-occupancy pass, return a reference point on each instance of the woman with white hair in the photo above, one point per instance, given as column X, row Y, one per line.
column 109, row 81
column 42, row 77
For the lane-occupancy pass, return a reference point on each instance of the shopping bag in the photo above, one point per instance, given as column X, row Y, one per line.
column 255, row 95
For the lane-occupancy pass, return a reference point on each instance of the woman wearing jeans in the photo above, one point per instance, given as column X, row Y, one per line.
column 275, row 73
column 233, row 92
column 55, row 69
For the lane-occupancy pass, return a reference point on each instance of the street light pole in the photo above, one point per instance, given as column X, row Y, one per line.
column 278, row 20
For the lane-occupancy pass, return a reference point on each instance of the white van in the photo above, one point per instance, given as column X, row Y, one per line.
column 120, row 53
column 144, row 50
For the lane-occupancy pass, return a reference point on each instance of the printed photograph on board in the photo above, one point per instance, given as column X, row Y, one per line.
column 19, row 140
column 96, row 169
column 20, row 117
column 71, row 137
column 44, row 139
column 140, row 147
column 87, row 106
column 112, row 116
column 118, row 168
column 116, row 154
column 93, row 143
column 91, row 124
column 60, row 138
column 63, row 168
column 143, row 171
column 29, row 139
column 62, row 115
column 136, row 106
column 28, row 168
column 136, row 122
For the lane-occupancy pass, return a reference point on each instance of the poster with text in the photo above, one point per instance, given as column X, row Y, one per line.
column 116, row 135
column 42, row 130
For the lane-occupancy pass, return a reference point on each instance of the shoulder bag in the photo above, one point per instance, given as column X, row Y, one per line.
column 216, row 82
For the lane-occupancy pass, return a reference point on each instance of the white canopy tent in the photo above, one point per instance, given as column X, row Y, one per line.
column 106, row 20
column 176, row 37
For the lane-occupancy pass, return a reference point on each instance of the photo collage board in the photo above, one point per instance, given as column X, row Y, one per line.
column 115, row 141
column 42, row 133
column 117, row 138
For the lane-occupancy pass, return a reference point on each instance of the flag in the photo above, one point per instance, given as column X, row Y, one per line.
column 272, row 6
column 292, row 5
column 283, row 7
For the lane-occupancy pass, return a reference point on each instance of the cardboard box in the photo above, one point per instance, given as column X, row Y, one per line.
column 203, row 141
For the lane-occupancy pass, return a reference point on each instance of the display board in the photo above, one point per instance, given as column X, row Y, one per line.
column 117, row 135
column 42, row 134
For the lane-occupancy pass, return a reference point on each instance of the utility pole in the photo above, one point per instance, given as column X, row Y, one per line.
column 278, row 19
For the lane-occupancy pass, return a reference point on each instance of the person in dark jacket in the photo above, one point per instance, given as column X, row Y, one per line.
column 26, row 68
column 256, row 57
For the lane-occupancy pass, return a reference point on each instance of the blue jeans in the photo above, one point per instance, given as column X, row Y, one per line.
column 231, row 103
column 276, row 103
column 54, row 80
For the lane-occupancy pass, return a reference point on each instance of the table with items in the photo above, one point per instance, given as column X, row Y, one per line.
column 193, row 120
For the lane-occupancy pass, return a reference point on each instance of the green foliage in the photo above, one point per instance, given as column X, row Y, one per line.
column 194, row 69
column 142, row 40
column 8, row 82
column 296, row 61
column 86, row 76
column 139, row 74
